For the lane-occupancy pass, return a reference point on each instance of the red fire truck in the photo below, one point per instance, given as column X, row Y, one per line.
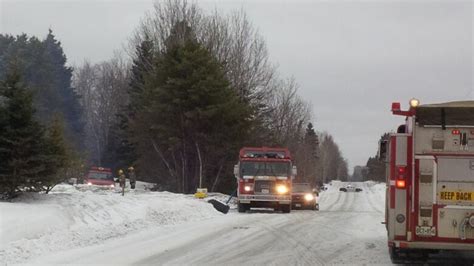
column 264, row 177
column 430, row 180
column 100, row 176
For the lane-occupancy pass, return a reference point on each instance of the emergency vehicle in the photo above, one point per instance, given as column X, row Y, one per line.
column 100, row 176
column 264, row 176
column 430, row 180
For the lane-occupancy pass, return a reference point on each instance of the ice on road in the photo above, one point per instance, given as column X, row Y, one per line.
column 347, row 230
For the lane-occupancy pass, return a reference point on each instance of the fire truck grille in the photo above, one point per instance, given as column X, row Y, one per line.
column 264, row 187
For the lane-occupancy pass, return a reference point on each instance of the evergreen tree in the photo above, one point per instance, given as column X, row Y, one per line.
column 67, row 101
column 190, row 113
column 312, row 141
column 120, row 150
column 141, row 67
column 307, row 157
column 57, row 156
column 21, row 139
column 42, row 66
column 375, row 167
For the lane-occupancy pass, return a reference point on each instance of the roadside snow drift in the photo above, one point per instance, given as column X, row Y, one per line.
column 70, row 217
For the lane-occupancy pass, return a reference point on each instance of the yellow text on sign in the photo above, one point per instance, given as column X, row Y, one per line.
column 456, row 196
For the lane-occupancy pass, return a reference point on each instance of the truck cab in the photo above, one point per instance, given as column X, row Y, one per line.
column 100, row 176
column 264, row 178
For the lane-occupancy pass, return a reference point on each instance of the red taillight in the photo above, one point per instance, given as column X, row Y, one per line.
column 401, row 184
column 402, row 170
column 456, row 132
column 401, row 177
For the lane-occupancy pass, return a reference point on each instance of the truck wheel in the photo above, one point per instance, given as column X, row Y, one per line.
column 242, row 207
column 406, row 256
column 285, row 208
column 395, row 256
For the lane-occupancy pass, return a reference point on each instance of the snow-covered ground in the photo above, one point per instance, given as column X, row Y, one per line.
column 85, row 227
column 74, row 217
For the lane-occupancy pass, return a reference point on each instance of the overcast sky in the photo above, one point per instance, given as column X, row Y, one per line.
column 351, row 59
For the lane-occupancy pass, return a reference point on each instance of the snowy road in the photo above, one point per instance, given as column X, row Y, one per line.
column 347, row 230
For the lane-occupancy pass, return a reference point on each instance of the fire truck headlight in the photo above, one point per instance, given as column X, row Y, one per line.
column 247, row 188
column 89, row 183
column 309, row 197
column 414, row 102
column 282, row 189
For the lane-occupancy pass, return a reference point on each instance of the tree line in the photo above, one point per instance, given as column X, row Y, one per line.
column 198, row 87
column 40, row 116
column 375, row 168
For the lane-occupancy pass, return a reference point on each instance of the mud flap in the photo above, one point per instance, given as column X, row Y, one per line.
column 219, row 206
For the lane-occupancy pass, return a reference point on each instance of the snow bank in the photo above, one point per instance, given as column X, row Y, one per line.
column 70, row 217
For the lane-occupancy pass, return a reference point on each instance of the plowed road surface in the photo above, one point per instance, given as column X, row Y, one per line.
column 347, row 230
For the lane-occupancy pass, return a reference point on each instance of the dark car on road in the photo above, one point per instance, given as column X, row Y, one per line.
column 303, row 196
column 350, row 188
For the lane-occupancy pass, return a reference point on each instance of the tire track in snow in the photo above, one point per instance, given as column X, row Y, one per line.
column 303, row 251
column 370, row 198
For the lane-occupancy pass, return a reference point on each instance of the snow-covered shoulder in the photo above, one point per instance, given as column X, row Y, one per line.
column 78, row 216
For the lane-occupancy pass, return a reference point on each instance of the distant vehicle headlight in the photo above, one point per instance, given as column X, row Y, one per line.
column 248, row 188
column 112, row 185
column 282, row 189
column 308, row 197
column 89, row 183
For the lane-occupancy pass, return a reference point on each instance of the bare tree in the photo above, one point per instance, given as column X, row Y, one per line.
column 332, row 163
column 231, row 39
column 280, row 115
column 289, row 113
column 103, row 88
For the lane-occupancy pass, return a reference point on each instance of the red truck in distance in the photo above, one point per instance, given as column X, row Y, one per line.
column 100, row 176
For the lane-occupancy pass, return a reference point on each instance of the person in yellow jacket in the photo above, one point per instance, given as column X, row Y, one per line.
column 122, row 180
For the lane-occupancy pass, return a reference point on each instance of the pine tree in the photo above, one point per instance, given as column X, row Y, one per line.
column 190, row 112
column 312, row 141
column 120, row 150
column 57, row 156
column 307, row 157
column 67, row 101
column 375, row 166
column 42, row 66
column 141, row 67
column 21, row 139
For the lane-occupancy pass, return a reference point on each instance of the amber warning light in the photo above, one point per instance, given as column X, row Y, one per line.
column 401, row 184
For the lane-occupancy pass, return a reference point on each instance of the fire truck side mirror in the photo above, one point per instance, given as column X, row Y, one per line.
column 382, row 150
column 294, row 172
column 236, row 171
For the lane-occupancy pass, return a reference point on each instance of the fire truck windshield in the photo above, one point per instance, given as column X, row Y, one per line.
column 99, row 175
column 265, row 168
